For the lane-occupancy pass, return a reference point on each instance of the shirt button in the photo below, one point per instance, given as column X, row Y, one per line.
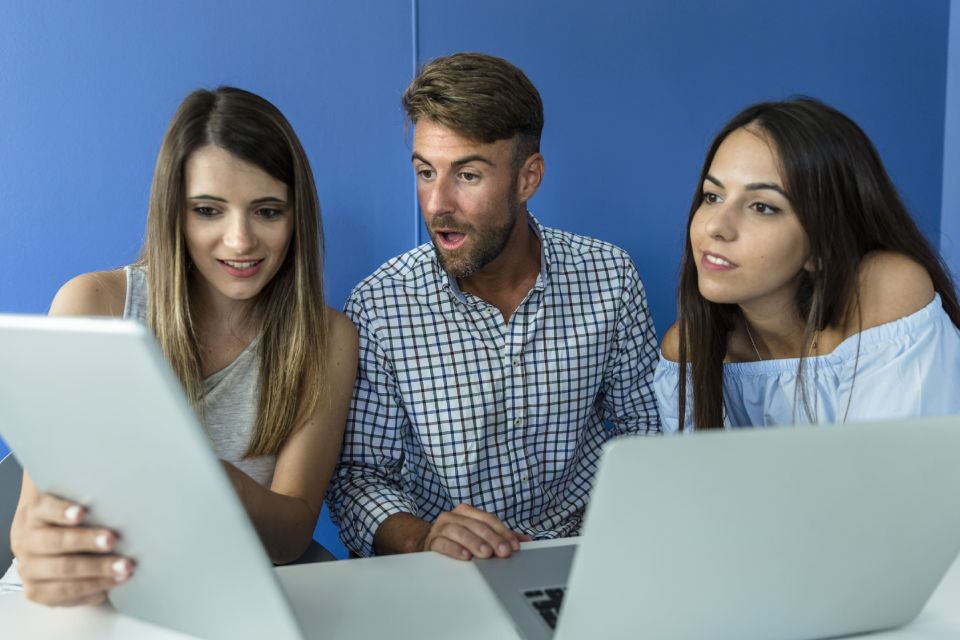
column 518, row 421
column 515, row 362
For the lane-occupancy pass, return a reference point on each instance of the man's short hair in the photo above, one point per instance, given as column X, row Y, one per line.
column 480, row 97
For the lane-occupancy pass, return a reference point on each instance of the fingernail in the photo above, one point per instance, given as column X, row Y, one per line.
column 72, row 513
column 465, row 554
column 515, row 545
column 485, row 550
column 102, row 541
column 504, row 549
column 121, row 568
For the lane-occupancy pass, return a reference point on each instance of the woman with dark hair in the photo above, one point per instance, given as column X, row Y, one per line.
column 807, row 292
column 229, row 280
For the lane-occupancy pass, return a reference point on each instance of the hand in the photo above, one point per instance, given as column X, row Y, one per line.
column 61, row 562
column 468, row 532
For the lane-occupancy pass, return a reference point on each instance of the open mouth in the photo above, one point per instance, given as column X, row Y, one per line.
column 450, row 240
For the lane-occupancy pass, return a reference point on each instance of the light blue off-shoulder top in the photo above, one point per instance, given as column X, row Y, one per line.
column 908, row 367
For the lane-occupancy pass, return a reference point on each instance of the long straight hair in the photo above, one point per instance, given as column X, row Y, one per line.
column 290, row 308
column 846, row 204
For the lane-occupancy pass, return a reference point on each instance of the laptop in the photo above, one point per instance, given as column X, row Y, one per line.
column 68, row 383
column 773, row 534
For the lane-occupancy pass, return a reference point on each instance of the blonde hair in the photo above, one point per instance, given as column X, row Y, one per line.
column 293, row 338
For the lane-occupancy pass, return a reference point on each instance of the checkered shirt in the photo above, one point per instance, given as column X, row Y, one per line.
column 453, row 405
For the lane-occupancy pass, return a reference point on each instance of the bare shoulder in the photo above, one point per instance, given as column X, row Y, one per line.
column 342, row 337
column 101, row 293
column 892, row 285
column 670, row 347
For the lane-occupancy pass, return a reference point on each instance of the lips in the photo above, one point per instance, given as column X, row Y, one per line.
column 450, row 240
column 241, row 268
column 717, row 262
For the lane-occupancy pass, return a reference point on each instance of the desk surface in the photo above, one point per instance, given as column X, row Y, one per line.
column 417, row 596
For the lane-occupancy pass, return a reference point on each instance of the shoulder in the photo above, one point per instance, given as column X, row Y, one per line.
column 341, row 331
column 101, row 293
column 891, row 286
column 409, row 270
column 573, row 245
column 670, row 347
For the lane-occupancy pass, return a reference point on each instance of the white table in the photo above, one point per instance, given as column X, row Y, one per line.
column 417, row 597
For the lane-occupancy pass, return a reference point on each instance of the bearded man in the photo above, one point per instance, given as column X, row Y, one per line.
column 495, row 360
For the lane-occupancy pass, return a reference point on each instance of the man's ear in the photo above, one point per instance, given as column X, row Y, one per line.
column 529, row 177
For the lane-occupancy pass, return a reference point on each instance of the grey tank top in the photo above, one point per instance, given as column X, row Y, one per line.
column 230, row 398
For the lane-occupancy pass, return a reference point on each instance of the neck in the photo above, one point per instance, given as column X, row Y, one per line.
column 215, row 315
column 506, row 280
column 776, row 333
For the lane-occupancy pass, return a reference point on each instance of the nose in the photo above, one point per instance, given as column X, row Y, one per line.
column 436, row 197
column 238, row 235
column 720, row 223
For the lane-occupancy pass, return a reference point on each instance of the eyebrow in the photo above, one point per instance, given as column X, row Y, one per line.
column 265, row 199
column 459, row 162
column 753, row 186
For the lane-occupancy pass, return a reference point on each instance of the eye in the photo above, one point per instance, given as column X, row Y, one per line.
column 709, row 197
column 205, row 212
column 425, row 173
column 468, row 176
column 269, row 213
column 764, row 209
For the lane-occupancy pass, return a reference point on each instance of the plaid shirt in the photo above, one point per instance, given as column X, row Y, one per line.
column 452, row 405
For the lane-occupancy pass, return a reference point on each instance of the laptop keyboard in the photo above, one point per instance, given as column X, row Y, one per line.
column 547, row 603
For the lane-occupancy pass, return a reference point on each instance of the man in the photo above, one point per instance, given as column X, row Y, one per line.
column 489, row 360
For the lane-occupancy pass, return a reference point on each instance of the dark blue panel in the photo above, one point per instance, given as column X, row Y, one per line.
column 634, row 91
column 87, row 89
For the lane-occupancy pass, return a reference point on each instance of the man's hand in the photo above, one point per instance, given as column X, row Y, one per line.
column 62, row 562
column 467, row 532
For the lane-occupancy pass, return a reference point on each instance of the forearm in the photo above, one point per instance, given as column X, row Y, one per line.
column 400, row 533
column 284, row 523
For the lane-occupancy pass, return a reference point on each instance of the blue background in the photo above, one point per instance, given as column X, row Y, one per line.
column 633, row 93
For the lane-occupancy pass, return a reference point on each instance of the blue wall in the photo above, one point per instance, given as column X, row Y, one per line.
column 633, row 93
column 950, row 223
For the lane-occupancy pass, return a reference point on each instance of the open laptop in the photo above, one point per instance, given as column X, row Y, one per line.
column 772, row 534
column 68, row 383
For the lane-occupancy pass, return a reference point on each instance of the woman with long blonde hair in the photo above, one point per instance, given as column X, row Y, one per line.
column 230, row 282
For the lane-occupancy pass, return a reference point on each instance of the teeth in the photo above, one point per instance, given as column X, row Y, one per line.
column 240, row 265
column 718, row 261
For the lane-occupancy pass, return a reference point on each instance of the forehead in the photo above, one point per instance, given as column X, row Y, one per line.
column 437, row 143
column 748, row 153
column 212, row 168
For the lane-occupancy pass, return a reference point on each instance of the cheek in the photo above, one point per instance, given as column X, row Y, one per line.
column 696, row 229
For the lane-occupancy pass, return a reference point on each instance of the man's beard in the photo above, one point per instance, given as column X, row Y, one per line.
column 488, row 244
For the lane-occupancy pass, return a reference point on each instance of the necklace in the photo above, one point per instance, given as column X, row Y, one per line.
column 746, row 325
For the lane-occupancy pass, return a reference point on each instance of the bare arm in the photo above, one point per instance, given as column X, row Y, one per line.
column 286, row 513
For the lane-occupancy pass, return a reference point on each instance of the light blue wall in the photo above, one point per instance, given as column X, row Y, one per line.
column 633, row 93
column 950, row 223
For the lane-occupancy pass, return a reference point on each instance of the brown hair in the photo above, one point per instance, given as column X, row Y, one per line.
column 481, row 97
column 293, row 337
column 846, row 204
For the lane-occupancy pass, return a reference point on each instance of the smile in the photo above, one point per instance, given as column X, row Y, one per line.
column 716, row 263
column 241, row 268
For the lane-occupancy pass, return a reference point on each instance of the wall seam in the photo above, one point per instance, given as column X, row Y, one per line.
column 415, row 46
